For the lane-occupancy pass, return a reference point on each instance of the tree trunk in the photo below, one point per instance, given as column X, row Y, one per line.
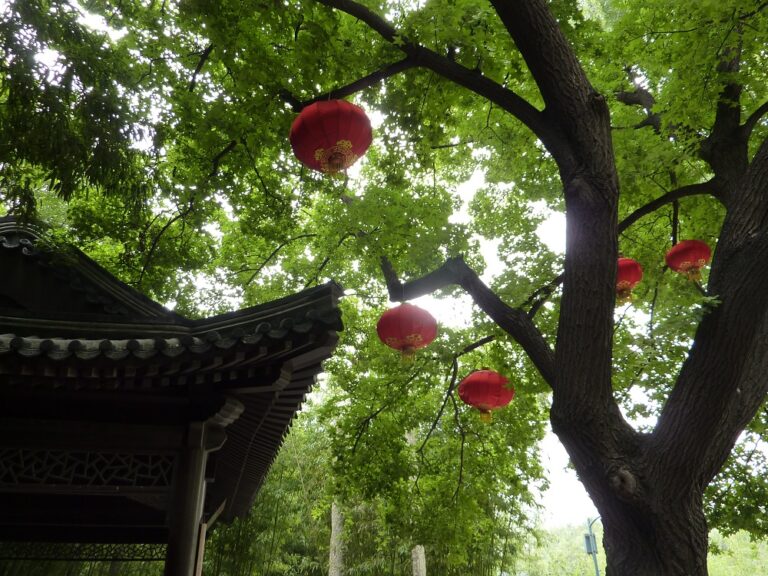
column 336, row 561
column 419, row 560
column 672, row 543
column 653, row 518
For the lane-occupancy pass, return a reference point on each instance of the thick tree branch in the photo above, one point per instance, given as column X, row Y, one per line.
column 653, row 120
column 689, row 190
column 638, row 97
column 726, row 147
column 445, row 67
column 204, row 55
column 642, row 97
column 218, row 158
column 537, row 299
column 571, row 103
column 550, row 59
column 584, row 413
column 722, row 383
column 512, row 320
column 353, row 87
column 753, row 119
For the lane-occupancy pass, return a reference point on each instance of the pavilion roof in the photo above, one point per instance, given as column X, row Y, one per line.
column 76, row 344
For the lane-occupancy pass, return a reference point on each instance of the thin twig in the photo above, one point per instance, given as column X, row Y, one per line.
column 156, row 240
column 463, row 435
column 364, row 424
column 452, row 384
column 267, row 192
column 274, row 252
column 328, row 258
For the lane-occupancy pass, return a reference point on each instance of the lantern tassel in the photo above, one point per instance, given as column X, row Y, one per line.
column 693, row 274
column 408, row 355
column 486, row 416
column 624, row 297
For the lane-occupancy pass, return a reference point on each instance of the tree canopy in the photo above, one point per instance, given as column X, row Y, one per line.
column 154, row 136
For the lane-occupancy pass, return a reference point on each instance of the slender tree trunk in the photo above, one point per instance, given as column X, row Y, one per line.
column 419, row 561
column 274, row 532
column 336, row 561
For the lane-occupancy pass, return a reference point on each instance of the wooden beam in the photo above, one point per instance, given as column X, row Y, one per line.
column 90, row 436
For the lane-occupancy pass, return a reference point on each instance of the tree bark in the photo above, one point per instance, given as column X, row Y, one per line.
column 336, row 557
column 671, row 543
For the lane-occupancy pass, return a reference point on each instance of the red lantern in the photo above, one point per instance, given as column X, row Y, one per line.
column 689, row 257
column 628, row 275
column 486, row 390
column 330, row 135
column 407, row 328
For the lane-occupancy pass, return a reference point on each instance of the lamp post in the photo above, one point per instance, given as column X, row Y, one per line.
column 590, row 543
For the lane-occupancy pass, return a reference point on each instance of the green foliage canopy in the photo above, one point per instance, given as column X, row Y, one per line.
column 167, row 134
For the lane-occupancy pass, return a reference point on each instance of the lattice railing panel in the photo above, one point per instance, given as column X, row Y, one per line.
column 22, row 466
column 66, row 551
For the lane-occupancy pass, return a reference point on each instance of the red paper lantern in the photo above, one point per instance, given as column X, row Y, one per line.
column 486, row 390
column 330, row 135
column 407, row 328
column 628, row 274
column 689, row 257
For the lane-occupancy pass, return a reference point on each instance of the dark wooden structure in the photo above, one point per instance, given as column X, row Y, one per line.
column 123, row 422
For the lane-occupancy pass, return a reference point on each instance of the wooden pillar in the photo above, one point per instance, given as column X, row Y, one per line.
column 186, row 507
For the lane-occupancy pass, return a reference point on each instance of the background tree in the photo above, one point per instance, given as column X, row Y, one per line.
column 288, row 528
column 467, row 529
column 433, row 473
column 645, row 122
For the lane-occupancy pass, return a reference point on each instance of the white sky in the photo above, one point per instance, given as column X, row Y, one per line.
column 566, row 501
